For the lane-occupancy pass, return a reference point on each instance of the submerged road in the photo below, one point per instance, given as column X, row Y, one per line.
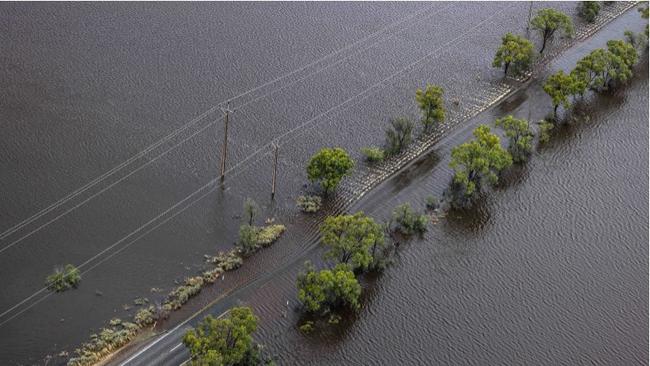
column 167, row 349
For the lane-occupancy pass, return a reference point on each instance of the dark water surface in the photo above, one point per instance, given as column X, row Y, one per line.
column 86, row 87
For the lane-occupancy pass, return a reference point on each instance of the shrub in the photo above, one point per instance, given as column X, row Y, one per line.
column 545, row 128
column 307, row 327
column 432, row 203
column 104, row 343
column 373, row 154
column 588, row 10
column 309, row 204
column 247, row 243
column 63, row 278
column 145, row 316
column 227, row 261
column 398, row 135
column 182, row 294
column 267, row 235
column 407, row 221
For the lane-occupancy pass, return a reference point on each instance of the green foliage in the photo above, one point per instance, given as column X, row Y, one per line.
column 252, row 238
column 325, row 290
column 351, row 239
column 226, row 341
column 638, row 40
column 515, row 51
column 600, row 67
column 398, row 135
column 145, row 316
column 101, row 345
column 431, row 104
column 432, row 203
column 329, row 166
column 479, row 160
column 250, row 210
column 588, row 10
column 373, row 154
column 560, row 87
column 307, row 327
column 63, row 278
column 182, row 294
column 247, row 242
column 520, row 137
column 407, row 221
column 548, row 22
column 309, row 204
column 545, row 129
column 644, row 15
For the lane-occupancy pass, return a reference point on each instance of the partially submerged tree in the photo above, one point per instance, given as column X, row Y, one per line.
column 627, row 54
column 479, row 161
column 398, row 135
column 432, row 105
column 588, row 10
column 520, row 135
column 560, row 87
column 250, row 210
column 407, row 221
column 351, row 239
column 329, row 166
column 515, row 51
column 548, row 22
column 226, row 341
column 325, row 290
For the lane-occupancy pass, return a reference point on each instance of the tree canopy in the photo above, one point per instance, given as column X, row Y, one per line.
column 514, row 50
column 329, row 166
column 431, row 104
column 600, row 67
column 321, row 291
column 560, row 87
column 548, row 22
column 588, row 10
column 520, row 135
column 479, row 160
column 350, row 239
column 226, row 341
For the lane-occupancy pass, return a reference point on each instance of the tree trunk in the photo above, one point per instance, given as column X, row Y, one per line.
column 555, row 112
column 543, row 45
column 506, row 70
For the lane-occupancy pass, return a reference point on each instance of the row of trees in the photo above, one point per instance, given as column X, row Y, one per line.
column 598, row 71
column 516, row 52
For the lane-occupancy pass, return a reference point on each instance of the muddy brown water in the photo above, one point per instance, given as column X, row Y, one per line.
column 87, row 86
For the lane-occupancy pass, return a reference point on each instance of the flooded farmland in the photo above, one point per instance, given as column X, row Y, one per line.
column 531, row 274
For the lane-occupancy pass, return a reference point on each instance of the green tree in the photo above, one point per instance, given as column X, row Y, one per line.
column 398, row 135
column 588, row 10
column 407, row 221
column 351, row 238
column 520, row 135
column 250, row 210
column 626, row 58
column 432, row 105
column 560, row 87
column 548, row 21
column 227, row 341
column 514, row 50
column 247, row 242
column 329, row 166
column 325, row 290
column 644, row 14
column 479, row 160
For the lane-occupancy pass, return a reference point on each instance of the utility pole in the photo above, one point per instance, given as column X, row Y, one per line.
column 530, row 13
column 224, row 151
column 275, row 169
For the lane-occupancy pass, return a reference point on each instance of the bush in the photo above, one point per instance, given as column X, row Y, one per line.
column 267, row 235
column 545, row 130
column 104, row 343
column 63, row 278
column 309, row 204
column 247, row 242
column 432, row 203
column 307, row 327
column 145, row 316
column 182, row 294
column 227, row 261
column 407, row 221
column 398, row 135
column 588, row 10
column 373, row 154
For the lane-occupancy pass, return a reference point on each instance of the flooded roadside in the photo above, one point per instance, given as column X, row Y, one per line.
column 194, row 234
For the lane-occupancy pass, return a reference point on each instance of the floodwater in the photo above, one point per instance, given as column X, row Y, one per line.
column 86, row 88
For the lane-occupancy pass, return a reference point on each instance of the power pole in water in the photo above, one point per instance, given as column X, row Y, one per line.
column 224, row 151
column 275, row 169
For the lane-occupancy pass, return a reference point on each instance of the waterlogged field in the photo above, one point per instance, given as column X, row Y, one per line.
column 112, row 135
